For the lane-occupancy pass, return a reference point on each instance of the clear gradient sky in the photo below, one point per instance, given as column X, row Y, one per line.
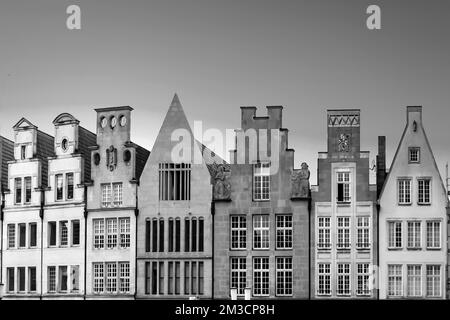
column 219, row 55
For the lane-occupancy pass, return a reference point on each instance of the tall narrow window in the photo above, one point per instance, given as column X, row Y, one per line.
column 99, row 277
column 187, row 278
column 201, row 226
column 111, row 277
column 161, row 277
column 111, row 233
column 154, row 277
column 124, row 277
column 51, row 276
column 27, row 189
column 23, row 152
column 33, row 234
column 118, row 190
column 238, row 232
column 261, row 276
column 11, row 279
column 433, row 234
column 284, row 276
column 194, row 235
column 106, row 194
column 177, row 278
column 194, row 277
column 177, row 235
column 161, row 235
column 59, row 187
column 154, row 235
column 99, row 233
column 424, row 188
column 63, row 279
column 343, row 279
column 11, row 236
column 171, row 226
column 147, row 235
column 363, row 233
column 395, row 234
column 434, row 281
column 395, row 283
column 200, row 278
column 52, row 233
column 404, row 191
column 261, row 232
column 186, row 235
column 75, row 278
column 239, row 275
column 69, row 183
column 63, row 233
column 75, row 232
column 32, row 279
column 22, row 235
column 124, row 228
column 284, row 231
column 414, row 234
column 147, row 277
column 170, row 287
column 343, row 232
column 414, row 277
column 18, row 187
column 343, row 186
column 324, row 229
column 261, row 181
column 21, row 276
column 174, row 181
column 363, row 288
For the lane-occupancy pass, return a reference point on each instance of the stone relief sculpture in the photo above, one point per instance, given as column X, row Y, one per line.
column 300, row 182
column 222, row 187
column 111, row 158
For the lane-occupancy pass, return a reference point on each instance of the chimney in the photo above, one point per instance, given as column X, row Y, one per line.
column 381, row 164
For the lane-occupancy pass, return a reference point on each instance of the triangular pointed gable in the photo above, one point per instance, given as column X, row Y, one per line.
column 23, row 124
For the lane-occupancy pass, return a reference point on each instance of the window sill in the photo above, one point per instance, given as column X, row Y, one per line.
column 424, row 204
column 324, row 249
column 238, row 249
column 344, row 249
column 405, row 204
column 284, row 249
column 434, row 249
column 363, row 248
column 395, row 249
column 413, row 249
column 261, row 200
column 343, row 203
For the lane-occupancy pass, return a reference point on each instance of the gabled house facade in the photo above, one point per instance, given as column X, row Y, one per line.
column 413, row 220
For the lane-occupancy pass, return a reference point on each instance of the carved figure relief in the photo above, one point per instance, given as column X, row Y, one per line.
column 344, row 143
column 222, row 187
column 300, row 182
column 111, row 158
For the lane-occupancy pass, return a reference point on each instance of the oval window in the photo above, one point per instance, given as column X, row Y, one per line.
column 97, row 158
column 103, row 122
column 123, row 121
column 127, row 155
column 64, row 144
column 113, row 122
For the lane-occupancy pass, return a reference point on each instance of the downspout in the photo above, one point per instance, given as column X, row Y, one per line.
column 213, row 211
column 41, row 215
column 136, row 214
column 85, row 214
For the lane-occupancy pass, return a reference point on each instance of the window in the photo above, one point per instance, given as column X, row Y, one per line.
column 59, row 187
column 33, row 234
column 32, row 279
column 147, row 235
column 117, row 201
column 112, row 195
column 161, row 277
column 284, row 276
column 11, row 236
column 171, row 227
column 111, row 277
column 363, row 233
column 18, row 187
column 414, row 234
column 433, row 234
column 284, row 231
column 239, row 274
column 124, row 227
column 324, row 275
column 187, row 224
column 177, row 235
column 75, row 232
column 98, row 277
column 194, row 277
column 424, row 187
column 343, row 186
column 21, row 276
column 99, row 233
column 324, row 241
column 75, row 278
column 106, row 195
column 414, row 280
column 11, row 280
column 363, row 288
column 64, row 144
column 404, row 191
column 63, row 279
column 433, row 281
column 343, row 279
column 174, row 181
column 261, row 276
column 111, row 233
column 343, row 232
column 201, row 226
column 155, row 235
column 63, row 233
column 161, row 235
column 52, row 233
column 194, row 234
column 116, row 276
column 395, row 280
column 238, row 232
column 395, row 234
column 23, row 152
column 261, row 181
column 171, row 278
column 27, row 189
column 177, row 277
column 22, row 235
column 414, row 155
column 261, row 232
column 51, row 273
column 187, row 282
column 69, row 183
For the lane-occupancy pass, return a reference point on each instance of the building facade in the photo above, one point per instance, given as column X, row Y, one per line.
column 413, row 220
column 174, row 247
column 116, row 166
column 261, row 215
column 343, row 214
column 24, row 211
column 63, row 238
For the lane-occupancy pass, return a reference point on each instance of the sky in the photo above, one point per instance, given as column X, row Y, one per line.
column 218, row 55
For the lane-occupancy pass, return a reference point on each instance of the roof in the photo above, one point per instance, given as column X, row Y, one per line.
column 45, row 149
column 86, row 140
column 211, row 158
column 6, row 154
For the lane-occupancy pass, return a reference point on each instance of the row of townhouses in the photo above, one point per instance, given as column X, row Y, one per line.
column 89, row 216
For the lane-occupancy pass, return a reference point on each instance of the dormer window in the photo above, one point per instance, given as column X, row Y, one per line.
column 414, row 155
column 23, row 152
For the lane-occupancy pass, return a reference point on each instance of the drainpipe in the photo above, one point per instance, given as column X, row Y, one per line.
column 136, row 214
column 213, row 211
column 41, row 215
column 85, row 214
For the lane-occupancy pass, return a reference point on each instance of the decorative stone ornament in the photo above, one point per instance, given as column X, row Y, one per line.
column 97, row 158
column 300, row 182
column 111, row 158
column 222, row 187
column 344, row 143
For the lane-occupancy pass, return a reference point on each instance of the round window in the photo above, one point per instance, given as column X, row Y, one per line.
column 113, row 122
column 103, row 122
column 64, row 144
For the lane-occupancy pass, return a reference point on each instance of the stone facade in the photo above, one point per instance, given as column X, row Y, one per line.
column 237, row 253
column 413, row 220
column 343, row 214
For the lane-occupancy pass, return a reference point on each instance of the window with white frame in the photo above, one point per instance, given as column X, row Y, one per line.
column 343, row 186
column 63, row 233
column 18, row 190
column 11, row 236
column 112, row 195
column 99, row 233
column 363, row 233
column 284, row 276
column 343, row 232
column 433, row 234
column 343, row 279
column 395, row 234
column 414, row 280
column 363, row 277
column 27, row 181
column 238, row 232
column 395, row 280
column 414, row 234
column 69, row 186
column 323, row 233
column 106, row 194
column 239, row 274
column 434, row 281
column 75, row 278
column 59, row 187
column 284, row 231
column 111, row 277
column 261, row 181
column 117, row 192
column 404, row 191
column 261, row 232
column 414, row 155
column 424, row 191
column 324, row 279
column 261, row 276
column 51, row 278
column 99, row 277
column 111, row 233
column 124, row 276
column 124, row 231
column 62, row 279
